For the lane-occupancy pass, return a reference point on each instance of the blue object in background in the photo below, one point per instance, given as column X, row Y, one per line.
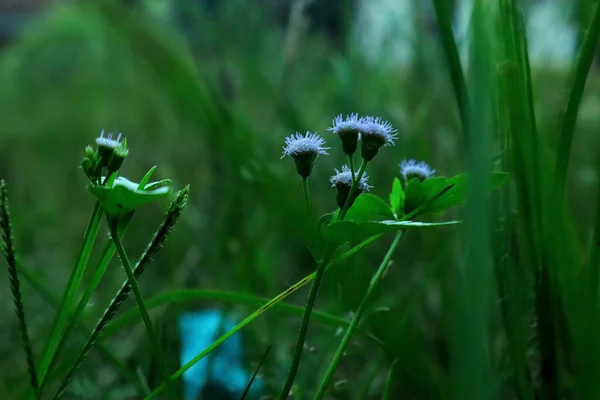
column 222, row 367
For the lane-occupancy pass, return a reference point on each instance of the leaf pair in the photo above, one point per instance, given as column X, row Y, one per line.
column 370, row 215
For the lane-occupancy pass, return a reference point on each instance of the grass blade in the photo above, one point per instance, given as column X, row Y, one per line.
column 443, row 14
column 15, row 287
column 567, row 130
column 471, row 374
column 262, row 360
column 107, row 256
column 70, row 293
column 186, row 296
column 388, row 382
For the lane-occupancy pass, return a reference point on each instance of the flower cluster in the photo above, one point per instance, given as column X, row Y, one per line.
column 373, row 133
column 110, row 155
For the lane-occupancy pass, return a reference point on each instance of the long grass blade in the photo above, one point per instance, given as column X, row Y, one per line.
column 186, row 296
column 567, row 129
column 443, row 15
column 70, row 293
column 387, row 391
column 262, row 360
column 107, row 255
column 471, row 373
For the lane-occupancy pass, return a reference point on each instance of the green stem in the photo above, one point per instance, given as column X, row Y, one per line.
column 70, row 293
column 356, row 319
column 353, row 190
column 312, row 295
column 351, row 161
column 307, row 197
column 113, row 226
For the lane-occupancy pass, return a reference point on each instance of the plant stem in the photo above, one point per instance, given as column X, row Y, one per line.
column 357, row 316
column 353, row 190
column 307, row 197
column 351, row 161
column 113, row 226
column 312, row 295
column 70, row 293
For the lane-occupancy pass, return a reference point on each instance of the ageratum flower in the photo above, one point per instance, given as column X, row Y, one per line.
column 342, row 181
column 348, row 130
column 412, row 169
column 304, row 150
column 107, row 145
column 375, row 133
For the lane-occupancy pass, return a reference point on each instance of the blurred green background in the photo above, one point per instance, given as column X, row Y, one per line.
column 208, row 92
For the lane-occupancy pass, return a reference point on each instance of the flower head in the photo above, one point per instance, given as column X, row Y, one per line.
column 108, row 142
column 375, row 133
column 348, row 130
column 342, row 181
column 412, row 169
column 304, row 150
column 107, row 146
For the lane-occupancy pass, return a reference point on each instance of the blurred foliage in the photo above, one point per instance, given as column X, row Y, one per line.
column 209, row 98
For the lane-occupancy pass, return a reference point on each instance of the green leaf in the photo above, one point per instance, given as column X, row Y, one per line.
column 124, row 196
column 343, row 231
column 397, row 198
column 417, row 193
column 369, row 207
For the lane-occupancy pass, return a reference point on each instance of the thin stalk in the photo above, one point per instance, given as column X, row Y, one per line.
column 353, row 190
column 357, row 317
column 70, row 293
column 307, row 197
column 114, row 233
column 351, row 162
column 312, row 295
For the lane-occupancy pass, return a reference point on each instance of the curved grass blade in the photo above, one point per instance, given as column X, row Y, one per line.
column 186, row 296
column 388, row 382
column 567, row 129
column 271, row 303
column 8, row 249
column 443, row 15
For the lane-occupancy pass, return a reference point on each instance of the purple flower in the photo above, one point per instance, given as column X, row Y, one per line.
column 412, row 169
column 348, row 130
column 304, row 150
column 375, row 133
